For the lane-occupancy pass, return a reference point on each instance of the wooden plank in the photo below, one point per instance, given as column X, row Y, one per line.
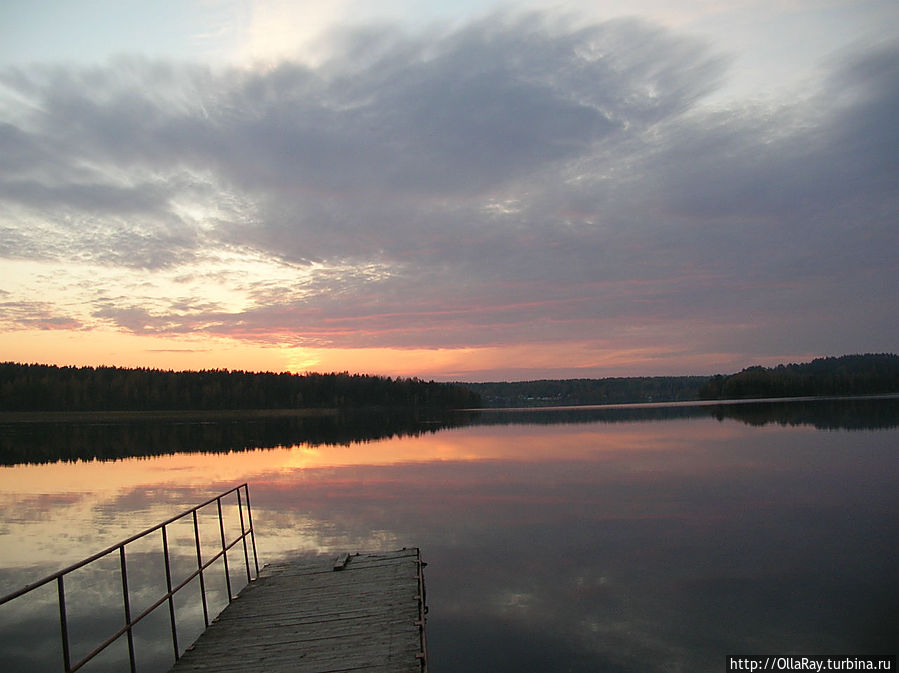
column 303, row 617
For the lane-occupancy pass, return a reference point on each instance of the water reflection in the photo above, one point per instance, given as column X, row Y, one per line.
column 112, row 437
column 646, row 544
column 30, row 626
column 94, row 595
column 824, row 414
column 870, row 413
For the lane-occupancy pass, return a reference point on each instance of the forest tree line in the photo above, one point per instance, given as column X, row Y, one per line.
column 34, row 387
column 568, row 392
column 869, row 374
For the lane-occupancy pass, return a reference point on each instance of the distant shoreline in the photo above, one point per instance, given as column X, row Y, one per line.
column 31, row 393
column 693, row 403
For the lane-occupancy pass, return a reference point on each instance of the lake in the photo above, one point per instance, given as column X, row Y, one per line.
column 638, row 538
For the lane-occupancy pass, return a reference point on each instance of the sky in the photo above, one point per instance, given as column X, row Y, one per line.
column 469, row 191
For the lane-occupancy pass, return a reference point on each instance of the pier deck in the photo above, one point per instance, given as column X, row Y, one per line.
column 361, row 612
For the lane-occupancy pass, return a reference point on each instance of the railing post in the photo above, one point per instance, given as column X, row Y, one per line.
column 243, row 537
column 63, row 625
column 127, row 601
column 168, row 582
column 224, row 548
column 246, row 527
column 200, row 570
column 246, row 488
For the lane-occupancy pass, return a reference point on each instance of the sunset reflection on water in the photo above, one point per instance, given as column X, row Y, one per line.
column 594, row 544
column 47, row 505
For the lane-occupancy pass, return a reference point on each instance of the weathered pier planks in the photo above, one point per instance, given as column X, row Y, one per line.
column 362, row 612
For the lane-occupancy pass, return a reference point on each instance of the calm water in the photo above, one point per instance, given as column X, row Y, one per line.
column 637, row 539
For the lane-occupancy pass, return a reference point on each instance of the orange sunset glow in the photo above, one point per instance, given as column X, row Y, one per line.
column 86, row 485
column 480, row 194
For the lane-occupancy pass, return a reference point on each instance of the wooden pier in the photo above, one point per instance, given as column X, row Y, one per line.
column 360, row 612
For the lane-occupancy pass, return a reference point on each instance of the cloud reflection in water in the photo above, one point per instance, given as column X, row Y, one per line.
column 644, row 545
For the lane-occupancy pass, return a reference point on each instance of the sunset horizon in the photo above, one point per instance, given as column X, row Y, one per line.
column 564, row 375
column 457, row 193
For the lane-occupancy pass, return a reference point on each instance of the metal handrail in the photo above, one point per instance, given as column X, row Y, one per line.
column 422, row 614
column 245, row 531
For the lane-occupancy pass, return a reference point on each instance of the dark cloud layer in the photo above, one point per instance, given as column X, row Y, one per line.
column 516, row 179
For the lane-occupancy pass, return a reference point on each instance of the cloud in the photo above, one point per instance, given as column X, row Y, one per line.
column 420, row 119
column 34, row 315
column 516, row 178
